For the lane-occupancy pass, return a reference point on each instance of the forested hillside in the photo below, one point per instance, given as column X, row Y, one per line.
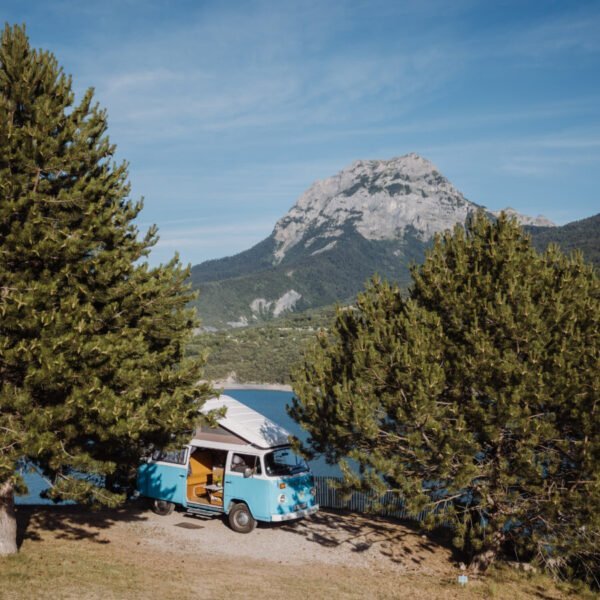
column 313, row 281
column 581, row 235
column 262, row 353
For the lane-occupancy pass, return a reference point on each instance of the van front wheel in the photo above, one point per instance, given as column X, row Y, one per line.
column 162, row 507
column 240, row 519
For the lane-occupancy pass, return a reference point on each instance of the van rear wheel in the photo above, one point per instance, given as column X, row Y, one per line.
column 162, row 507
column 241, row 519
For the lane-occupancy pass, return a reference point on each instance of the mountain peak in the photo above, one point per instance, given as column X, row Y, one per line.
column 410, row 164
column 380, row 199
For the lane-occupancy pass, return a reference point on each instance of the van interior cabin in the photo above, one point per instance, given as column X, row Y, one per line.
column 205, row 476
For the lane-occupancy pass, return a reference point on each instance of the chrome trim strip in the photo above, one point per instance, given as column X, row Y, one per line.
column 296, row 515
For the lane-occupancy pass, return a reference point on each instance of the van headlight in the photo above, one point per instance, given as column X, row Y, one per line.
column 282, row 498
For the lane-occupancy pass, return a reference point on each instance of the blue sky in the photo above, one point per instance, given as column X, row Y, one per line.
column 227, row 111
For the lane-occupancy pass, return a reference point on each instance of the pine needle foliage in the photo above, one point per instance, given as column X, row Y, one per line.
column 92, row 369
column 475, row 397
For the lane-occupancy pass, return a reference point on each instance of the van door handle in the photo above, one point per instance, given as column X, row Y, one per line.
column 227, row 481
column 181, row 475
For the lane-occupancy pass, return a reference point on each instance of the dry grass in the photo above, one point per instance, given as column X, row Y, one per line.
column 72, row 554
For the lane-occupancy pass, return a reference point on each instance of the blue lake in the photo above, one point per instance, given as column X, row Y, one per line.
column 272, row 404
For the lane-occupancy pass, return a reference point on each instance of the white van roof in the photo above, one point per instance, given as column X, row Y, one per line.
column 246, row 423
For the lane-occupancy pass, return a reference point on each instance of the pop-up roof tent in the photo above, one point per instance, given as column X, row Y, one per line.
column 241, row 425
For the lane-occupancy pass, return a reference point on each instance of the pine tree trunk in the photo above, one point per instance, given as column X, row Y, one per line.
column 8, row 519
column 485, row 558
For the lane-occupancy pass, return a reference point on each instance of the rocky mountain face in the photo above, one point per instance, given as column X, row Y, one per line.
column 380, row 199
column 375, row 216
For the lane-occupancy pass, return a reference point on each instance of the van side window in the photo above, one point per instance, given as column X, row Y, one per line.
column 241, row 462
column 174, row 456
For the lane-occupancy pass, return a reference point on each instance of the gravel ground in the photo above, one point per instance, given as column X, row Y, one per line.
column 325, row 538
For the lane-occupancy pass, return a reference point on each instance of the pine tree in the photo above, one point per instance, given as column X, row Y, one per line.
column 92, row 367
column 475, row 397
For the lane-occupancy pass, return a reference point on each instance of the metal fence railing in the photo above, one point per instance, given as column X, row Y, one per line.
column 389, row 505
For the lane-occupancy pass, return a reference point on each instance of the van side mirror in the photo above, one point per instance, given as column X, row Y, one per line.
column 248, row 472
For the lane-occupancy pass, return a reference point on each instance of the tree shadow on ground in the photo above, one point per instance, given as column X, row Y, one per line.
column 72, row 522
column 402, row 542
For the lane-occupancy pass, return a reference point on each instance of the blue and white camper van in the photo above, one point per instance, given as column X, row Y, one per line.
column 244, row 468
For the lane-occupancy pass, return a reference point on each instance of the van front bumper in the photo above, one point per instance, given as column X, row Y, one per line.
column 296, row 515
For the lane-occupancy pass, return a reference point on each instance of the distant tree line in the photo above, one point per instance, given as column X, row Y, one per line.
column 263, row 353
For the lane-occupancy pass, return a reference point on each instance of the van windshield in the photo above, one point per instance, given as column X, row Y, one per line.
column 284, row 462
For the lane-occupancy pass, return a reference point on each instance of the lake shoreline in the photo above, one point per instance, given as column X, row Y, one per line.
column 267, row 387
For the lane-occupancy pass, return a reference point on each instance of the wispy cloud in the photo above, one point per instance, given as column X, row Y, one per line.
column 542, row 166
column 258, row 67
column 559, row 35
column 230, row 228
column 196, row 244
